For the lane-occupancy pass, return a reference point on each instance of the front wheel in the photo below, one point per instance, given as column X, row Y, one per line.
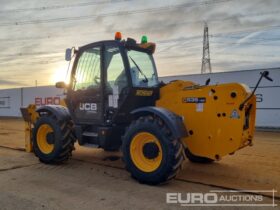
column 53, row 142
column 150, row 153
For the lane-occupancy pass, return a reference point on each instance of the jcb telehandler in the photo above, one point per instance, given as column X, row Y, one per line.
column 114, row 100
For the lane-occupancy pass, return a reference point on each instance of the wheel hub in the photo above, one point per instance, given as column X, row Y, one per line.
column 146, row 151
column 150, row 150
column 50, row 138
column 45, row 138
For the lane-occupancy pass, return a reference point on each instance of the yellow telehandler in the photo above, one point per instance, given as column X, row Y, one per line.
column 115, row 101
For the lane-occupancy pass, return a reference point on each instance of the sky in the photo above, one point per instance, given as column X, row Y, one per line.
column 243, row 34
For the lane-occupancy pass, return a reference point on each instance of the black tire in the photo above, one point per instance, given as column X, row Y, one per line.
column 172, row 151
column 197, row 159
column 63, row 140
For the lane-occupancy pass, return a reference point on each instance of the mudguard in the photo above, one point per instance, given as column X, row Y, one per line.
column 174, row 122
column 60, row 112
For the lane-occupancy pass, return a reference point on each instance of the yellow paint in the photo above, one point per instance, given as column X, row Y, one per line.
column 41, row 138
column 136, row 152
column 62, row 102
column 30, row 122
column 215, row 133
column 28, row 133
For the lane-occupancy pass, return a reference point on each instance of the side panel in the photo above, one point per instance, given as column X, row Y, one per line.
column 268, row 106
column 86, row 108
column 134, row 100
column 215, row 124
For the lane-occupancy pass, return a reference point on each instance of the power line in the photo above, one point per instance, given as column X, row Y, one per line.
column 251, row 38
column 166, row 25
column 243, row 55
column 191, row 38
column 29, row 63
column 244, row 43
column 66, row 19
column 264, row 28
column 150, row 10
column 168, row 41
column 29, row 53
column 218, row 35
column 45, row 8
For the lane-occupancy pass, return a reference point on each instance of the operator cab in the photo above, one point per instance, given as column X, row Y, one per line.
column 109, row 79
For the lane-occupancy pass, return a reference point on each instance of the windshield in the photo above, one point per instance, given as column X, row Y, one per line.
column 142, row 69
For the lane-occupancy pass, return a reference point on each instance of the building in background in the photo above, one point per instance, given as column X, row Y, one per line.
column 268, row 94
column 12, row 99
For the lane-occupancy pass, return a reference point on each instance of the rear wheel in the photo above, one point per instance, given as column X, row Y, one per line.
column 53, row 142
column 150, row 153
column 197, row 159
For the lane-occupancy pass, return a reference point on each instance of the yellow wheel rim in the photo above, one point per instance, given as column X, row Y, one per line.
column 42, row 142
column 137, row 155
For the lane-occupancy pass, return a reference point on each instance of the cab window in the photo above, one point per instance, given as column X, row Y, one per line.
column 116, row 77
column 142, row 69
column 88, row 70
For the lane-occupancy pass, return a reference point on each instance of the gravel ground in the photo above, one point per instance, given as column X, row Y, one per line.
column 95, row 180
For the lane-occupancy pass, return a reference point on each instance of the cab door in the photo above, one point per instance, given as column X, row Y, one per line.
column 85, row 97
column 116, row 82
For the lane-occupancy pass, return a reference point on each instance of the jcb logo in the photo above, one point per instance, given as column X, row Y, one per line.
column 88, row 106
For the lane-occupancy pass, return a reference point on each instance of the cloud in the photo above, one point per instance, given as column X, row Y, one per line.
column 236, row 28
column 10, row 83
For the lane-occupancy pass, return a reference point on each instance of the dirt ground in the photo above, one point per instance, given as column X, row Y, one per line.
column 94, row 179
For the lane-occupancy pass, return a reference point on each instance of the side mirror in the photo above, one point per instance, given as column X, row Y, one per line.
column 61, row 85
column 68, row 54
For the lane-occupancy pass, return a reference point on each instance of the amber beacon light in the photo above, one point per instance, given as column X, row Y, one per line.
column 118, row 36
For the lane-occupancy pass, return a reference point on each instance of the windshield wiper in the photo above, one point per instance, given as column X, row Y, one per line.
column 138, row 68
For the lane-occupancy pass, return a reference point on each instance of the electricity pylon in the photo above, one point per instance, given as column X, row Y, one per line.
column 206, row 64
